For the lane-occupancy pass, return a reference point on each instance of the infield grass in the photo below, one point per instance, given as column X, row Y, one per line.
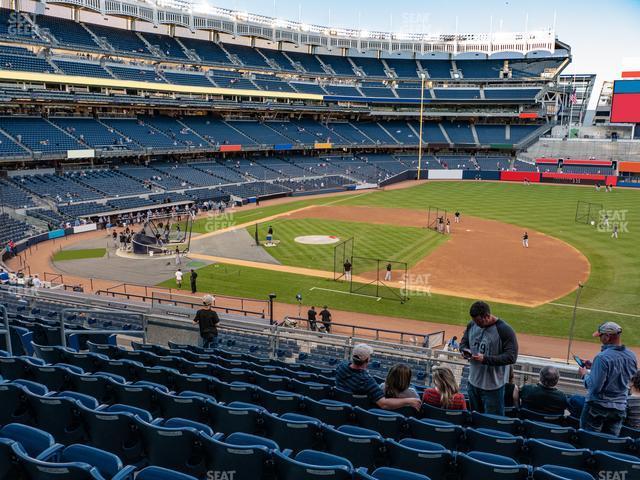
column 613, row 286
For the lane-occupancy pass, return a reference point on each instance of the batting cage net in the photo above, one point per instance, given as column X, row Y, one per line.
column 341, row 252
column 436, row 219
column 588, row 213
column 376, row 277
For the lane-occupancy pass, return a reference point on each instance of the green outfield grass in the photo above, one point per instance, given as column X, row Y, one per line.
column 385, row 242
column 64, row 255
column 614, row 284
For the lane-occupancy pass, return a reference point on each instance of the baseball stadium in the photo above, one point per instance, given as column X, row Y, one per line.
column 239, row 245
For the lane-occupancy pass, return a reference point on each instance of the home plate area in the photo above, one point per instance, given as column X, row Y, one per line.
column 317, row 239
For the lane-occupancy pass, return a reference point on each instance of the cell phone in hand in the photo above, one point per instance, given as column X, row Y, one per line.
column 467, row 353
column 579, row 361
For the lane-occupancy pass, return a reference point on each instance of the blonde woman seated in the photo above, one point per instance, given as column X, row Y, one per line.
column 445, row 393
column 398, row 383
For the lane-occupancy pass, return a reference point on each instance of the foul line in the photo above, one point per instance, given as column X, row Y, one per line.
column 346, row 293
column 595, row 310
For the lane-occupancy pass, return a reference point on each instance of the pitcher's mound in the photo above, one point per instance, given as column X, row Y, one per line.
column 317, row 239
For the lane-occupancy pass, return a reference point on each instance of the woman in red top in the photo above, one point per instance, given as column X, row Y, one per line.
column 446, row 393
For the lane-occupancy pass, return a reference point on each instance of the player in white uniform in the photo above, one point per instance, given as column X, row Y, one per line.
column 525, row 240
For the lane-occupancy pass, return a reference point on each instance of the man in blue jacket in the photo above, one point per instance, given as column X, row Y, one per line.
column 607, row 382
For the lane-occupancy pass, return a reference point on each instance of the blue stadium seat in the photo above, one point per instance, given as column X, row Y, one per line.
column 617, row 462
column 362, row 447
column 280, row 402
column 553, row 472
column 177, row 422
column 445, row 433
column 159, row 473
column 494, row 441
column 314, row 390
column 457, row 417
column 99, row 386
column 14, row 406
column 8, row 466
column 40, row 470
column 421, row 456
column 475, row 465
column 496, row 422
column 534, row 429
column 58, row 416
column 84, row 400
column 527, row 414
column 386, row 473
column 228, row 419
column 389, row 424
column 328, row 411
column 186, row 405
column 293, row 431
column 107, row 464
column 603, row 441
column 545, row 452
column 36, row 443
column 310, row 464
column 113, row 432
column 137, row 412
column 173, row 448
column 248, row 461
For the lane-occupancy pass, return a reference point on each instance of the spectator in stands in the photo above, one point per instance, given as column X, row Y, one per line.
column 398, row 383
column 490, row 345
column 36, row 282
column 4, row 276
column 445, row 392
column 511, row 392
column 633, row 403
column 607, row 382
column 325, row 315
column 544, row 397
column 208, row 320
column 311, row 317
column 453, row 345
column 354, row 378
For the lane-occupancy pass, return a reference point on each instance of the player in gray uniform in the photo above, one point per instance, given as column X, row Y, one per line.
column 490, row 345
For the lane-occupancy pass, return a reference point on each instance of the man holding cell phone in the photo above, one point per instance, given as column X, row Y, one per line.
column 490, row 345
column 607, row 382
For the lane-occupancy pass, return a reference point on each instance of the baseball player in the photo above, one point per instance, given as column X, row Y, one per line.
column 605, row 220
column 178, row 276
column 615, row 231
column 525, row 240
column 347, row 270
column 387, row 275
column 448, row 226
column 457, row 216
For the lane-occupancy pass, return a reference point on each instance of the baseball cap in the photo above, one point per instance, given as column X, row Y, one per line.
column 611, row 328
column 362, row 352
column 208, row 299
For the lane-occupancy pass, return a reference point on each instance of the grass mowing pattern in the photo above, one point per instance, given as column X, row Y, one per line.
column 386, row 242
column 64, row 255
column 614, row 283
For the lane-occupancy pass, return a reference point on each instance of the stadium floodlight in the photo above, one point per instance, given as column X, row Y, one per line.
column 244, row 16
column 365, row 34
column 279, row 23
column 304, row 27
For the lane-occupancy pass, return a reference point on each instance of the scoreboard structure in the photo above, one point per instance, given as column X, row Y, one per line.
column 625, row 105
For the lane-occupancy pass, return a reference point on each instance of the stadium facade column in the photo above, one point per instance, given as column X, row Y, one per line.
column 422, row 80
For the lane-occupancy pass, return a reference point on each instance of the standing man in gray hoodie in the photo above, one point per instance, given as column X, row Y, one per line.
column 490, row 345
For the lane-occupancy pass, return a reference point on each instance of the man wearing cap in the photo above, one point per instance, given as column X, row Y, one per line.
column 607, row 382
column 207, row 319
column 354, row 378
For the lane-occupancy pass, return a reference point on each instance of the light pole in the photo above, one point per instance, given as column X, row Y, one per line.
column 422, row 79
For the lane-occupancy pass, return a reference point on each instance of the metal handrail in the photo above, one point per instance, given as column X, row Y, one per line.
column 177, row 303
column 6, row 331
column 64, row 330
column 378, row 331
